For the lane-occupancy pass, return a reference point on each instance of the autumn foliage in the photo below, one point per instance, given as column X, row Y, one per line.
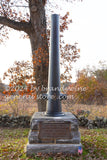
column 21, row 80
column 21, row 72
column 88, row 88
column 29, row 17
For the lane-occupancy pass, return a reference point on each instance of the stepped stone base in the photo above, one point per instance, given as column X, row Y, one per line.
column 53, row 134
column 52, row 148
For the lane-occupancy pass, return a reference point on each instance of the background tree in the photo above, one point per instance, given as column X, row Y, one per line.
column 90, row 87
column 101, row 76
column 21, row 80
column 101, row 73
column 29, row 16
column 2, row 87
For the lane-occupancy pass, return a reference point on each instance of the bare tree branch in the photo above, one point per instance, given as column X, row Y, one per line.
column 19, row 6
column 1, row 27
column 20, row 26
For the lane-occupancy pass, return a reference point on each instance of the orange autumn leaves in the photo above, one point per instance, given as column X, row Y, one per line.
column 40, row 56
column 20, row 78
column 87, row 89
column 69, row 53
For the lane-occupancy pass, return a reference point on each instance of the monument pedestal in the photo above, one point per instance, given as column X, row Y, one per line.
column 53, row 134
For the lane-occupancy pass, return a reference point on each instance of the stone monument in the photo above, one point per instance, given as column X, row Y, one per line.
column 54, row 131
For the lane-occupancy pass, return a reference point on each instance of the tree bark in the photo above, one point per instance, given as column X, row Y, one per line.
column 39, row 45
column 36, row 29
column 20, row 26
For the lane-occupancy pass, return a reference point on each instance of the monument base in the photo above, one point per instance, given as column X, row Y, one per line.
column 52, row 148
column 53, row 134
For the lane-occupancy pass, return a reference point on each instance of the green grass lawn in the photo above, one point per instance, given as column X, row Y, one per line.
column 13, row 142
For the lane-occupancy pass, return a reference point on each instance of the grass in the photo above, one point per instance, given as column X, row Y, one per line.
column 29, row 107
column 13, row 142
column 95, row 110
column 23, row 107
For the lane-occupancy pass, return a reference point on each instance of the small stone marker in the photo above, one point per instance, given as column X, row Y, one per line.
column 54, row 131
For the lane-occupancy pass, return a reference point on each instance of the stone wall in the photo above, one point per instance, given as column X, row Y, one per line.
column 24, row 121
column 14, row 122
column 98, row 122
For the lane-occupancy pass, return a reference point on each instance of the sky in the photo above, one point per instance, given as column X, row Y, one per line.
column 89, row 30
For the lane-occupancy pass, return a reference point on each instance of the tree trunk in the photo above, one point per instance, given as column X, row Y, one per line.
column 39, row 45
column 36, row 29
